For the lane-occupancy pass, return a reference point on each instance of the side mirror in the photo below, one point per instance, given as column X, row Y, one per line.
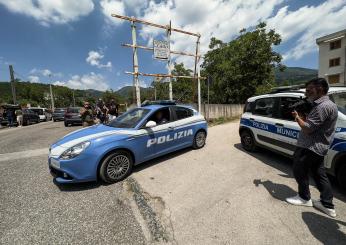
column 150, row 124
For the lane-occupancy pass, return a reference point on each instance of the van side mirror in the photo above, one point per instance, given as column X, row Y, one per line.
column 150, row 124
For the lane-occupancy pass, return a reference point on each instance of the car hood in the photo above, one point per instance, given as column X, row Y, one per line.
column 88, row 134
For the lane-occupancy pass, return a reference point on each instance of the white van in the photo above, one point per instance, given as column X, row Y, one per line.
column 267, row 122
column 43, row 113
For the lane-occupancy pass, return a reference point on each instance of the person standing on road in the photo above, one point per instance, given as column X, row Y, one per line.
column 10, row 117
column 313, row 143
column 112, row 110
column 19, row 115
column 87, row 115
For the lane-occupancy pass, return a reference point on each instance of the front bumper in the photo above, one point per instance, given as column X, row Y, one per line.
column 78, row 169
column 73, row 120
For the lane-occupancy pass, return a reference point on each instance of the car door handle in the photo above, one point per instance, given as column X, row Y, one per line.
column 279, row 124
column 170, row 128
column 252, row 119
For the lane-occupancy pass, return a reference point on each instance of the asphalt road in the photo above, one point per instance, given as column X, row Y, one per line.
column 216, row 195
column 33, row 210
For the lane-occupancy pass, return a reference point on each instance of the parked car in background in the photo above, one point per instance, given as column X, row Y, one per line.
column 72, row 116
column 29, row 117
column 58, row 114
column 43, row 113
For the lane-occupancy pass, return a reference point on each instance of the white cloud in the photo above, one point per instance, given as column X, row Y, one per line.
column 34, row 79
column 45, row 73
column 109, row 7
column 47, row 12
column 220, row 19
column 308, row 23
column 224, row 19
column 94, row 58
column 86, row 81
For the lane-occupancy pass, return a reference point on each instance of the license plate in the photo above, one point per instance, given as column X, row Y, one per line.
column 54, row 163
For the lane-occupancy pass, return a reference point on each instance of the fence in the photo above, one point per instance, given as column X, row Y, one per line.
column 213, row 111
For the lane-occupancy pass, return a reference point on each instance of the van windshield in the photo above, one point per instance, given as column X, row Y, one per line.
column 340, row 100
column 38, row 111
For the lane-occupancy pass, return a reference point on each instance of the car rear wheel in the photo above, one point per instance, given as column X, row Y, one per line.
column 341, row 176
column 248, row 141
column 199, row 140
column 116, row 167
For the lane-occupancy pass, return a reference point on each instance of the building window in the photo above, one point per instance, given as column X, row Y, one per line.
column 335, row 45
column 334, row 62
column 334, row 78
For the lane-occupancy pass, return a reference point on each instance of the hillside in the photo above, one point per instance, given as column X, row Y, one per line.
column 294, row 75
column 126, row 92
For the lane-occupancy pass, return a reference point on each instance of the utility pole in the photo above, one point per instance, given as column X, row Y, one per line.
column 51, row 96
column 169, row 60
column 74, row 101
column 199, row 88
column 13, row 86
column 135, row 64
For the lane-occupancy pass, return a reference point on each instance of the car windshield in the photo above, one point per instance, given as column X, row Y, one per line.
column 73, row 110
column 340, row 100
column 129, row 119
column 38, row 111
column 59, row 110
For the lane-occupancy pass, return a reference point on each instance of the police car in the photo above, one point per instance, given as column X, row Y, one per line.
column 267, row 122
column 109, row 151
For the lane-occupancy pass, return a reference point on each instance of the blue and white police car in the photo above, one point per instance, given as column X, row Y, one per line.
column 109, row 151
column 267, row 122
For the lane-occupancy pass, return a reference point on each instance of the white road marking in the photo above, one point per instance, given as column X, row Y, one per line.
column 23, row 154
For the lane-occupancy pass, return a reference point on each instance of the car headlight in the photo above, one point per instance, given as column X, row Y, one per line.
column 74, row 150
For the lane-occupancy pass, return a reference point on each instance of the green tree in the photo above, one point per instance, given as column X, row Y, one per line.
column 182, row 87
column 244, row 66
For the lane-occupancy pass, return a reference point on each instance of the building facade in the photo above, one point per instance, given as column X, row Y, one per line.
column 332, row 57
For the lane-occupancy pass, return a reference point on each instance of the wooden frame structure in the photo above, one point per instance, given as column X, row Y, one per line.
column 169, row 30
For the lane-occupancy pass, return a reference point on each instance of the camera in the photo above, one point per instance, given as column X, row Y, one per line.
column 302, row 107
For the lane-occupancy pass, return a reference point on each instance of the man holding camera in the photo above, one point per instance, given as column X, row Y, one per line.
column 313, row 143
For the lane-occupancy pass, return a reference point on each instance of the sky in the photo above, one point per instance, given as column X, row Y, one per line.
column 78, row 44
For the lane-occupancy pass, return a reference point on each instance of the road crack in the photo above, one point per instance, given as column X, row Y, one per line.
column 153, row 210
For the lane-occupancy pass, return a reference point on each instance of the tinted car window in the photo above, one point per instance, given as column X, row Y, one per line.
column 285, row 110
column 182, row 112
column 265, row 107
column 129, row 119
column 73, row 110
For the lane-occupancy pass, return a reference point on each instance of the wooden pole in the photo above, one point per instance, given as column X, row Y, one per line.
column 13, row 86
column 169, row 61
column 135, row 65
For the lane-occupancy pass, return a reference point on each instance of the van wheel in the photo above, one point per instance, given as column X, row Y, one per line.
column 199, row 140
column 248, row 141
column 341, row 176
column 116, row 167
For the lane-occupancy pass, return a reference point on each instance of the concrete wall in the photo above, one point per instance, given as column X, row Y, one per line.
column 220, row 110
column 325, row 54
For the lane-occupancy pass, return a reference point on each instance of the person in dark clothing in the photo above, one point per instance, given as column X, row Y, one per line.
column 10, row 117
column 113, row 110
column 316, row 134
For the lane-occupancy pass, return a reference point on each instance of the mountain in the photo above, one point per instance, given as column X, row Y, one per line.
column 126, row 92
column 294, row 75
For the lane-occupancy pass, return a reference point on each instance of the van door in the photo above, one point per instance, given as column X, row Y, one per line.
column 264, row 121
column 287, row 131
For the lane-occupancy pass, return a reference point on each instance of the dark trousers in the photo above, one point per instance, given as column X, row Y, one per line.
column 305, row 160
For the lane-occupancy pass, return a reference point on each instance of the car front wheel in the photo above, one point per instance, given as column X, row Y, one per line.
column 116, row 167
column 248, row 141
